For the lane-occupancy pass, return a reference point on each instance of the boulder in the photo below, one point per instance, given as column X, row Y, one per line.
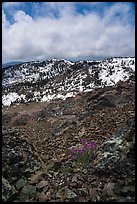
column 114, row 154
column 107, row 100
column 66, row 193
column 7, row 190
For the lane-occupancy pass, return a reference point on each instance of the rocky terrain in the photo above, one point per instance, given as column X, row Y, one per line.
column 36, row 137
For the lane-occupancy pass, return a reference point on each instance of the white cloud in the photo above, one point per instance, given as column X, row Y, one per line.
column 69, row 35
column 20, row 16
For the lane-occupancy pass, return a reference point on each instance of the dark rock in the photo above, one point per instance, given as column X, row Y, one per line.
column 42, row 197
column 21, row 183
column 128, row 190
column 55, row 165
column 93, row 195
column 29, row 190
column 35, row 178
column 108, row 189
column 66, row 193
column 107, row 100
column 112, row 154
column 83, row 192
column 8, row 191
column 42, row 184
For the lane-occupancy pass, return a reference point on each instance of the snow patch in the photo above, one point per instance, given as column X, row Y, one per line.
column 11, row 97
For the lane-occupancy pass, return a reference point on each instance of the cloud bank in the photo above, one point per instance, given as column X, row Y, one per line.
column 58, row 30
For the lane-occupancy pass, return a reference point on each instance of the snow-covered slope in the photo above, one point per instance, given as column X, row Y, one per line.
column 50, row 79
column 34, row 71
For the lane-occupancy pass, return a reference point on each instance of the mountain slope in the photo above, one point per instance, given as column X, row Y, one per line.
column 41, row 140
column 51, row 79
column 36, row 139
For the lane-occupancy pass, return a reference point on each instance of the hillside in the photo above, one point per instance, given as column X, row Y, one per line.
column 83, row 100
column 51, row 79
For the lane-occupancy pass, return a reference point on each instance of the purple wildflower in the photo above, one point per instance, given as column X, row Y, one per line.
column 71, row 157
column 72, row 150
column 80, row 150
column 94, row 145
column 83, row 152
column 89, row 145
column 82, row 140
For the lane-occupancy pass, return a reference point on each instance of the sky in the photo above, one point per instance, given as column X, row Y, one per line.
column 67, row 30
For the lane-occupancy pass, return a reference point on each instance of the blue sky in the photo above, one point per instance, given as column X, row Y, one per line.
column 70, row 30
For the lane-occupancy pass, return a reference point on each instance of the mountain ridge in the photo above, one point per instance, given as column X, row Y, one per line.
column 60, row 78
column 12, row 63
